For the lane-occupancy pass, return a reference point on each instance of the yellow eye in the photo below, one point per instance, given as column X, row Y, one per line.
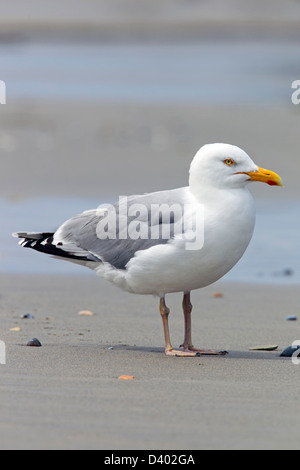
column 229, row 162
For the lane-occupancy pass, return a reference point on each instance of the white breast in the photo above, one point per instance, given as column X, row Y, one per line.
column 228, row 229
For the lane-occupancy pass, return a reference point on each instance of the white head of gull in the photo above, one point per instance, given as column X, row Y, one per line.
column 169, row 241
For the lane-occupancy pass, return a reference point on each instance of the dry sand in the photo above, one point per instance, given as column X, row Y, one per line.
column 66, row 395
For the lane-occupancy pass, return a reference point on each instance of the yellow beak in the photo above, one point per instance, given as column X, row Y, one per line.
column 265, row 176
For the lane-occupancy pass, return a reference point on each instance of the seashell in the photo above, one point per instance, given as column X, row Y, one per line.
column 16, row 328
column 218, row 295
column 263, row 348
column 86, row 313
column 34, row 342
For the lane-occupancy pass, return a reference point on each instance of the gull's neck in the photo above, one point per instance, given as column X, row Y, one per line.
column 213, row 195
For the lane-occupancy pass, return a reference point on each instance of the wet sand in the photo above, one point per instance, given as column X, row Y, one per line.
column 66, row 395
column 103, row 150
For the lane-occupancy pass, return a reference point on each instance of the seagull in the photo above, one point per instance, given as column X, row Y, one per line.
column 169, row 241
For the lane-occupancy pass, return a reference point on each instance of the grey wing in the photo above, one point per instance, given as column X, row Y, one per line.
column 116, row 233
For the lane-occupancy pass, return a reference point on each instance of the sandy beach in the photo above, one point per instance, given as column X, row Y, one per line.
column 66, row 395
column 57, row 145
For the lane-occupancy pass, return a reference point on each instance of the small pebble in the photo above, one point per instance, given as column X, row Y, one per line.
column 34, row 342
column 111, row 348
column 126, row 377
column 16, row 329
column 291, row 318
column 86, row 313
column 27, row 316
column 288, row 352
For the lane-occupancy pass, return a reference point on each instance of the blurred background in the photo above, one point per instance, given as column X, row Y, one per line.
column 114, row 97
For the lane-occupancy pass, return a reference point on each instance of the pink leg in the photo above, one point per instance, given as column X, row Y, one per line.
column 169, row 350
column 187, row 344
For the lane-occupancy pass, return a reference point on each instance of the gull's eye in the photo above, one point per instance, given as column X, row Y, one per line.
column 229, row 162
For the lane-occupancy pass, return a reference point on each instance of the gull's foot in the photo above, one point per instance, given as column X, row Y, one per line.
column 179, row 353
column 204, row 352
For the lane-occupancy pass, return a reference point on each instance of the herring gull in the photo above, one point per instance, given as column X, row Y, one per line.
column 170, row 241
